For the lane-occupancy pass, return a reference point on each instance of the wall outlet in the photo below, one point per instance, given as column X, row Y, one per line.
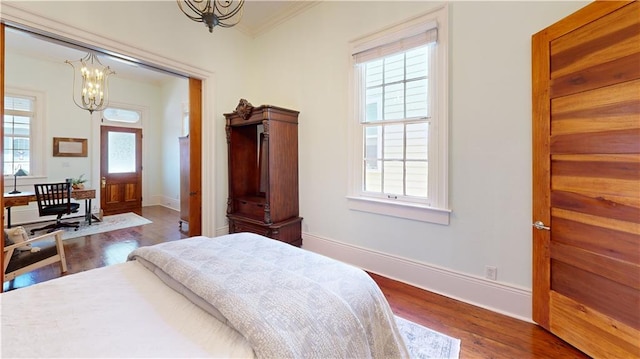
column 491, row 272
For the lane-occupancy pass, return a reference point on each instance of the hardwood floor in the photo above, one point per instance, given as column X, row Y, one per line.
column 484, row 334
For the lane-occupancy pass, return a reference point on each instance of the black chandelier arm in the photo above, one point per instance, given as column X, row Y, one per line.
column 233, row 13
column 193, row 8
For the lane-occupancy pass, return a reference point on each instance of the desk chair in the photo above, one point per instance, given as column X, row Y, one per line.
column 55, row 199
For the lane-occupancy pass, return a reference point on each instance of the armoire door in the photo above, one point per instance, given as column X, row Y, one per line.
column 586, row 179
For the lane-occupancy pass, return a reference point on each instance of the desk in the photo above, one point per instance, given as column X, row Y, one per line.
column 24, row 198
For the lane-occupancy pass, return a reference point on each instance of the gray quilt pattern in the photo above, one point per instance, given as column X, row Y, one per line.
column 287, row 302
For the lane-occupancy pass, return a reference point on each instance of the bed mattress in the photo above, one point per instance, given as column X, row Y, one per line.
column 122, row 310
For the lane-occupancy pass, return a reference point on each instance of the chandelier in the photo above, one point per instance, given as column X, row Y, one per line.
column 94, row 90
column 212, row 12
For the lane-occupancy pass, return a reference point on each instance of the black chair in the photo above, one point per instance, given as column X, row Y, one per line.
column 55, row 199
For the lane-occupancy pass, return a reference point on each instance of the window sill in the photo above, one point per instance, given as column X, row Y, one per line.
column 402, row 210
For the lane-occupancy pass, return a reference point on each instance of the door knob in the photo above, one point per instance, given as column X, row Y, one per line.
column 103, row 182
column 540, row 225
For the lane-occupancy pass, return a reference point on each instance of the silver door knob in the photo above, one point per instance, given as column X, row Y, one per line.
column 540, row 225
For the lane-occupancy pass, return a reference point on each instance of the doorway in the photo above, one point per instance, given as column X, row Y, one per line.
column 120, row 170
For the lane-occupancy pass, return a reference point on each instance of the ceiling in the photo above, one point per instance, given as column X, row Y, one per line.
column 259, row 16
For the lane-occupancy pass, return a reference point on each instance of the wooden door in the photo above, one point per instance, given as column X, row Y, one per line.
column 195, row 154
column 120, row 170
column 2, row 142
column 586, row 175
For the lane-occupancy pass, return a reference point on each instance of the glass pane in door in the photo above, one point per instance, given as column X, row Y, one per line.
column 122, row 152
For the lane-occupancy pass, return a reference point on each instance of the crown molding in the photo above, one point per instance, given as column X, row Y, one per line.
column 292, row 9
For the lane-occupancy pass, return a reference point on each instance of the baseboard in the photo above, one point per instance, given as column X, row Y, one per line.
column 495, row 296
column 163, row 201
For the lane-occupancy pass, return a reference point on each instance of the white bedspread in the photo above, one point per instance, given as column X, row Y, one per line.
column 120, row 311
column 287, row 302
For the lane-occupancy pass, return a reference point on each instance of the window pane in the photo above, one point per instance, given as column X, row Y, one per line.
column 373, row 178
column 122, row 152
column 394, row 68
column 394, row 102
column 417, row 63
column 373, row 73
column 417, row 99
column 17, row 125
column 394, row 142
column 393, row 177
column 372, row 147
column 121, row 115
column 417, row 179
column 417, row 136
column 374, row 104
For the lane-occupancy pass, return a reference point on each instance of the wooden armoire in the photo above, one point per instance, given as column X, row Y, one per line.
column 263, row 172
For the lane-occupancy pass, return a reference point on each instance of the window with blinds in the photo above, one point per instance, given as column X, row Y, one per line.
column 400, row 104
column 19, row 114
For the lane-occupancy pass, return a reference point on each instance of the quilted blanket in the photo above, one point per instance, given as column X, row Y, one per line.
column 286, row 301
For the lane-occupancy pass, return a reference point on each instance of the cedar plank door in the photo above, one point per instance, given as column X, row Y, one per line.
column 586, row 179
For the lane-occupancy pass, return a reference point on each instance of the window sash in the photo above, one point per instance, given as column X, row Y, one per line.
column 18, row 131
column 377, row 172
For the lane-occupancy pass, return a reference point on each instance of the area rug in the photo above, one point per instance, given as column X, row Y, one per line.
column 108, row 223
column 426, row 343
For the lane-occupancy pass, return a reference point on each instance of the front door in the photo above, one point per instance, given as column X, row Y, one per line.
column 586, row 176
column 120, row 170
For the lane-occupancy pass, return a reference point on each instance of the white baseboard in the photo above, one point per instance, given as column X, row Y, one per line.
column 495, row 296
column 163, row 201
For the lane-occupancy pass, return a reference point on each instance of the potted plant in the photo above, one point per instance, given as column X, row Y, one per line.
column 78, row 183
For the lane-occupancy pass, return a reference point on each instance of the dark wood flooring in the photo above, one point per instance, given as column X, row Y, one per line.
column 484, row 334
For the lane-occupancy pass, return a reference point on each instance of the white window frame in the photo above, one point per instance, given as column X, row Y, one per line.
column 36, row 139
column 437, row 210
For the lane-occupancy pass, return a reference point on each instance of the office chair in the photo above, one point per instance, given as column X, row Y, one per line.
column 55, row 199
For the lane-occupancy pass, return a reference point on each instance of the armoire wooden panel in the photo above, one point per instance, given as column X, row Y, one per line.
column 263, row 172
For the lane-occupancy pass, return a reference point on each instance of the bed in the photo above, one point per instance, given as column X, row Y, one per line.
column 238, row 295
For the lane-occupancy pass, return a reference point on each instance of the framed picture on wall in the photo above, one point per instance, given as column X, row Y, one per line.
column 69, row 147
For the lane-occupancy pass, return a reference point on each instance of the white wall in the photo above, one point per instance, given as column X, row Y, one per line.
column 490, row 143
column 175, row 94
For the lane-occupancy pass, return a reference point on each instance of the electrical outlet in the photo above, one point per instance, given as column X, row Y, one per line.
column 491, row 272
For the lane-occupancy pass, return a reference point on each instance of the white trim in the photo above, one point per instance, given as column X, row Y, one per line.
column 13, row 15
column 403, row 210
column 292, row 9
column 494, row 296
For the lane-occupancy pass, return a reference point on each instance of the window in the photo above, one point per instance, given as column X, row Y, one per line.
column 121, row 115
column 22, row 149
column 399, row 130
